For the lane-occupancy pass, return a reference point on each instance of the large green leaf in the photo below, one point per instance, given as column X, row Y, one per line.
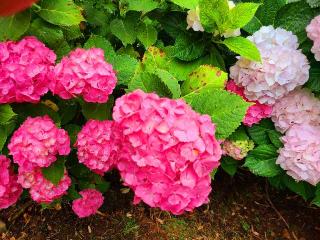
column 189, row 4
column 253, row 26
column 259, row 132
column 305, row 190
column 226, row 110
column 313, row 3
column 241, row 14
column 229, row 165
column 96, row 41
column 140, row 5
column 125, row 67
column 243, row 47
column 54, row 173
column 6, row 114
column 60, row 12
column 213, row 13
column 316, row 199
column 147, row 34
column 124, row 29
column 5, row 131
column 170, row 82
column 314, row 78
column 97, row 111
column 268, row 10
column 15, row 26
column 262, row 161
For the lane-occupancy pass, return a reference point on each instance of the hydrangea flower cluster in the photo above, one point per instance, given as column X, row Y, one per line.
column 168, row 151
column 283, row 67
column 256, row 112
column 84, row 73
column 89, row 204
column 10, row 190
column 34, row 145
column 300, row 156
column 96, row 146
column 193, row 20
column 41, row 189
column 313, row 30
column 238, row 150
column 298, row 107
column 26, row 69
column 37, row 142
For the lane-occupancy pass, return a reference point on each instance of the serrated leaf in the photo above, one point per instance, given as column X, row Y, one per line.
column 147, row 34
column 305, row 190
column 295, row 17
column 259, row 132
column 253, row 26
column 100, row 42
column 125, row 67
column 51, row 35
column 229, row 165
column 187, row 49
column 241, row 14
column 244, row 47
column 55, row 172
column 226, row 110
column 213, row 13
column 262, row 161
column 314, row 78
column 274, row 137
column 125, row 30
column 268, row 10
column 140, row 5
column 6, row 114
column 204, row 76
column 72, row 32
column 5, row 131
column 314, row 3
column 13, row 27
column 60, row 12
column 170, row 82
column 189, row 4
column 98, row 111
column 239, row 134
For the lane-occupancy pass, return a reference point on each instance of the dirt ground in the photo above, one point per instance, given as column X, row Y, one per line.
column 243, row 207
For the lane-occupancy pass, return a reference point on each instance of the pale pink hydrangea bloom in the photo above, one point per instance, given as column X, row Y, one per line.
column 89, row 204
column 300, row 156
column 41, row 189
column 10, row 190
column 96, row 145
column 238, row 150
column 282, row 70
column 256, row 112
column 168, row 151
column 313, row 30
column 37, row 142
column 269, row 37
column 298, row 107
column 26, row 69
column 84, row 73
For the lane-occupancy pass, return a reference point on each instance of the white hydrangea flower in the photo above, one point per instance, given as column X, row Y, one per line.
column 193, row 20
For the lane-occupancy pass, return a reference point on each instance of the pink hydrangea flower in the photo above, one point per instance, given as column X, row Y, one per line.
column 89, row 204
column 300, row 156
column 298, row 107
column 37, row 142
column 10, row 190
column 256, row 112
column 84, row 73
column 282, row 69
column 168, row 151
column 238, row 150
column 313, row 30
column 96, row 145
column 26, row 69
column 41, row 189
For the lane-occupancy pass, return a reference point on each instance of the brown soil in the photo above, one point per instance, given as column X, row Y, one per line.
column 239, row 209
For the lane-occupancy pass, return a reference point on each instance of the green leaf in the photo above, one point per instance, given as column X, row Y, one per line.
column 259, row 132
column 274, row 137
column 15, row 26
column 55, row 172
column 5, row 131
column 73, row 193
column 253, row 26
column 244, row 47
column 268, row 10
column 147, row 34
column 229, row 165
column 226, row 110
column 60, row 12
column 262, row 161
column 241, row 14
column 98, row 111
column 125, row 30
column 73, row 131
column 204, row 76
column 295, row 17
column 187, row 49
column 316, row 200
column 305, row 190
column 72, row 32
column 51, row 35
column 213, row 13
column 170, row 82
column 6, row 114
column 189, row 4
column 141, row 5
column 100, row 42
column 314, row 78
column 313, row 3
column 125, row 67
column 239, row 135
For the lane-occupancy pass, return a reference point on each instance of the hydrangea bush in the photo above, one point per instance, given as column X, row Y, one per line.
column 165, row 93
